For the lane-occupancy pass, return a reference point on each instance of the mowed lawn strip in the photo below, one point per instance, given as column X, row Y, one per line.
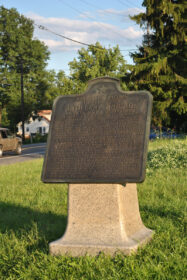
column 32, row 214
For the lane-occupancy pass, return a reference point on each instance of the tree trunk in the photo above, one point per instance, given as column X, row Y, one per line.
column 0, row 115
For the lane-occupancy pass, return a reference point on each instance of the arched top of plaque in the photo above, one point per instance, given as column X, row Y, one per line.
column 104, row 80
column 100, row 136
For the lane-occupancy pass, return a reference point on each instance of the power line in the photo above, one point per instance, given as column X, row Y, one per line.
column 89, row 4
column 73, row 8
column 70, row 39
column 91, row 17
column 99, row 9
column 75, row 41
column 122, row 3
column 67, row 38
column 106, row 11
column 127, row 3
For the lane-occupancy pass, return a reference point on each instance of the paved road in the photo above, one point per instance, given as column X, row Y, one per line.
column 29, row 152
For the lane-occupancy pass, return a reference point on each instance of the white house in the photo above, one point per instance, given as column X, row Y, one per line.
column 38, row 123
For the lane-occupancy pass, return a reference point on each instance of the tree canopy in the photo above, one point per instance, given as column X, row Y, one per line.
column 19, row 53
column 97, row 61
column 160, row 63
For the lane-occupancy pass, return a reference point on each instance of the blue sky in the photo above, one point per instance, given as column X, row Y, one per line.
column 86, row 21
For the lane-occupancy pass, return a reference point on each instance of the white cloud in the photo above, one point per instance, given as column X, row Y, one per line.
column 86, row 14
column 52, row 44
column 83, row 31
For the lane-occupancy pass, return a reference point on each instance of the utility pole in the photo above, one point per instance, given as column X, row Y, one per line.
column 148, row 35
column 0, row 114
column 22, row 105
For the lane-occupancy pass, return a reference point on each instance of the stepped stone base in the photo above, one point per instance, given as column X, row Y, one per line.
column 102, row 218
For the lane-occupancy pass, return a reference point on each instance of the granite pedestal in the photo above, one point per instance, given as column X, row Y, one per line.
column 102, row 218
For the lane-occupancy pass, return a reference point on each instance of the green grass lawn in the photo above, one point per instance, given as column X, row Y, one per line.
column 32, row 214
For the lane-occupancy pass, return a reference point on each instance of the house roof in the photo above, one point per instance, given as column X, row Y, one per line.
column 46, row 114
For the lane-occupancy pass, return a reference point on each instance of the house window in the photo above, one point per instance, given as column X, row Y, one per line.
column 44, row 130
column 4, row 135
column 27, row 129
column 39, row 129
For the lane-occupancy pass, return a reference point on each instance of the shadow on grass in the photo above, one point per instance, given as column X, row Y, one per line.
column 170, row 214
column 16, row 218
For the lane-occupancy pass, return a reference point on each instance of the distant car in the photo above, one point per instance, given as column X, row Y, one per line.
column 9, row 142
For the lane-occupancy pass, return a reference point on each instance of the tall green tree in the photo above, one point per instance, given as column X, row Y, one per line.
column 50, row 85
column 20, row 56
column 96, row 61
column 13, row 107
column 160, row 63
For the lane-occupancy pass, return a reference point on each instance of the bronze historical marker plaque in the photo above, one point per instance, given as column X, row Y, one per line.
column 99, row 136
